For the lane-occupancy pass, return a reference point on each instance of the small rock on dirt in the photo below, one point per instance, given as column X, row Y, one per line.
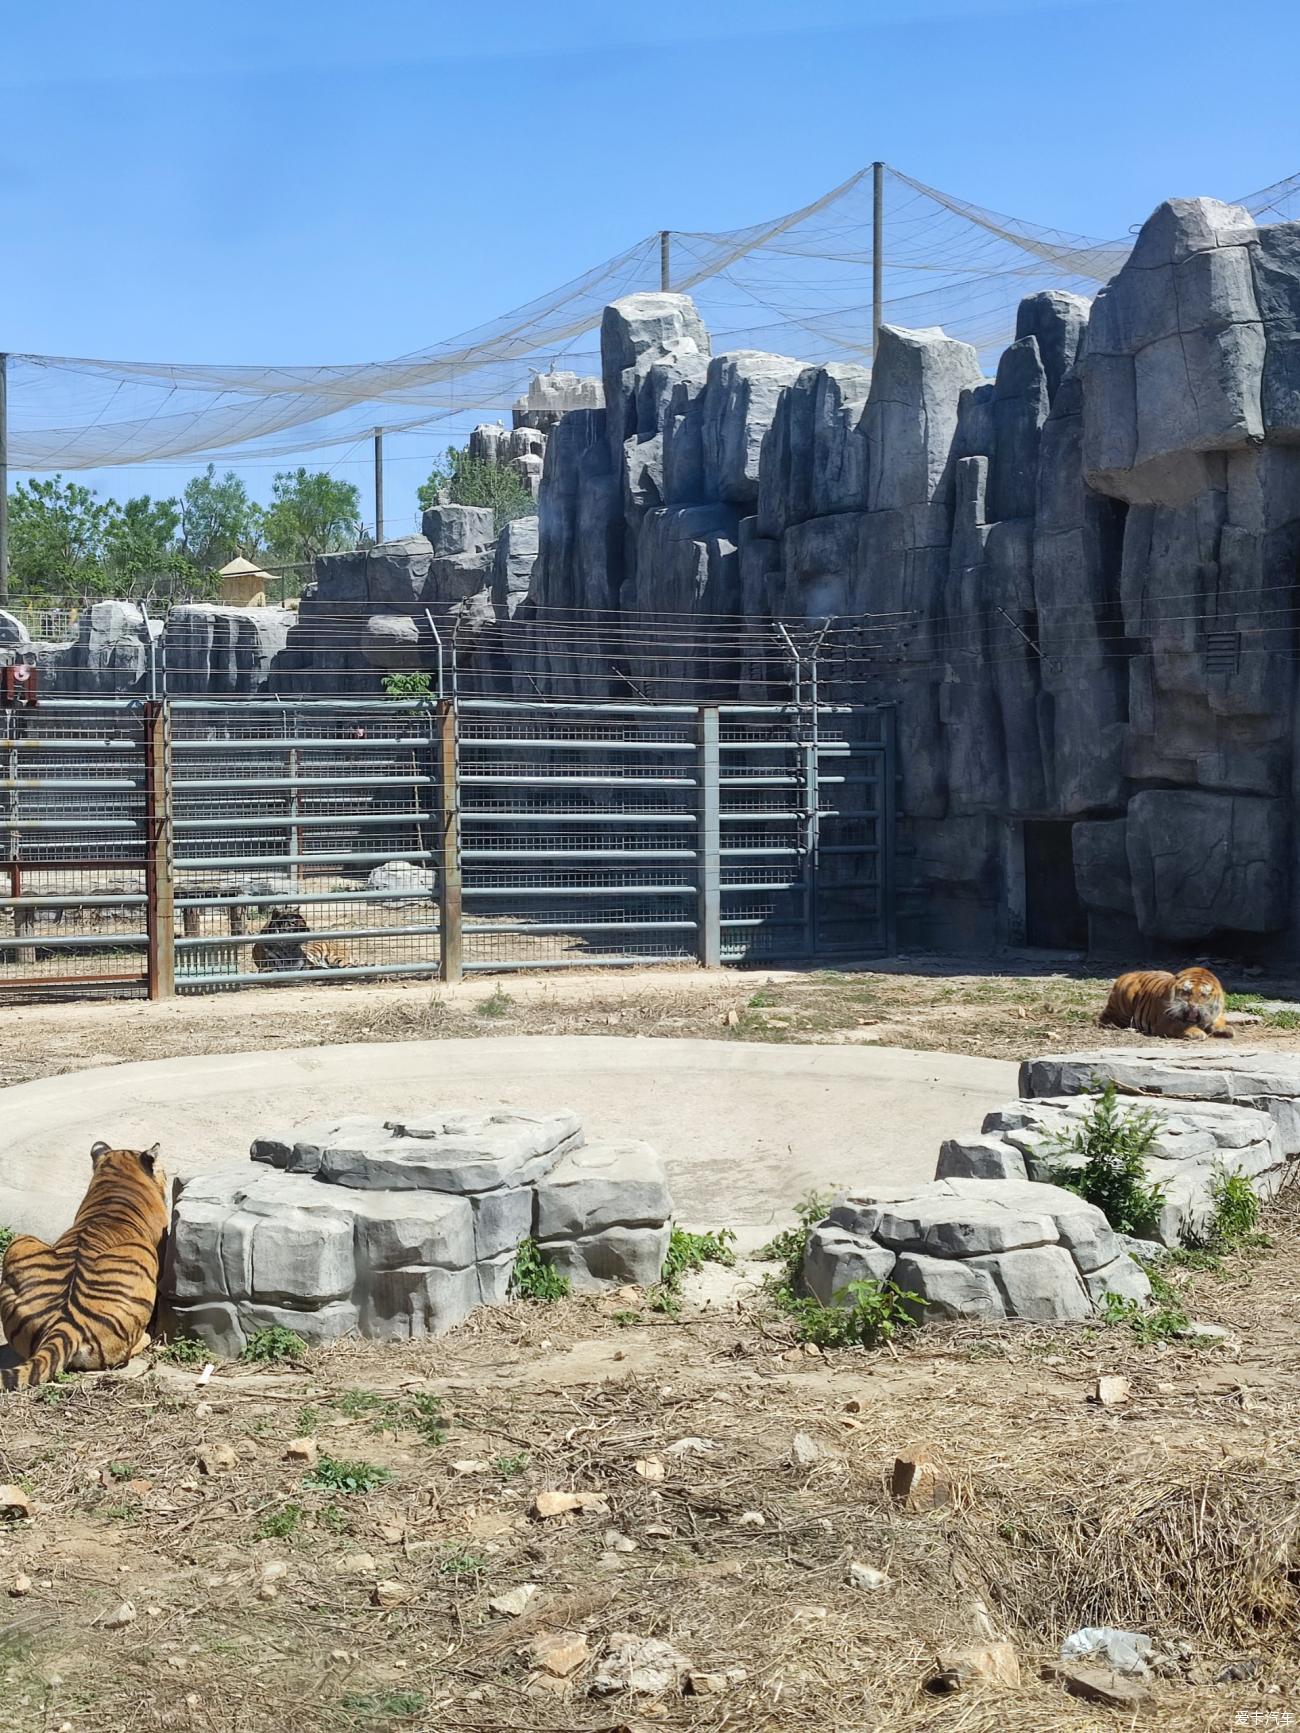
column 805, row 1450
column 14, row 1504
column 649, row 1467
column 513, row 1602
column 121, row 1616
column 751, row 1519
column 391, row 1593
column 1102, row 1685
column 558, row 1653
column 918, row 1482
column 21, row 1585
column 217, row 1459
column 985, row 1664
column 866, row 1577
column 641, row 1666
column 714, row 1684
column 616, row 1541
column 1111, row 1390
column 302, row 1450
column 549, row 1505
column 356, row 1564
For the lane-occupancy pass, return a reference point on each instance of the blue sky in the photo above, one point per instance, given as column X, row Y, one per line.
column 339, row 181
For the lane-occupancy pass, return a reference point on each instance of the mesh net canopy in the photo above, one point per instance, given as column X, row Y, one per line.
column 798, row 285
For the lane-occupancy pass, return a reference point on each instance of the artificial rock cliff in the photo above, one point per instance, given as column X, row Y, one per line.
column 1075, row 581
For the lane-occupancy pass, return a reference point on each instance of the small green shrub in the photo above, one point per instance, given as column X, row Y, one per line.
column 457, row 1562
column 865, row 1314
column 787, row 1247
column 280, row 1524
column 7, row 1238
column 407, row 685
column 273, row 1342
column 421, row 1413
column 184, row 1351
column 533, row 1278
column 122, row 1470
column 1236, row 1213
column 1112, row 1175
column 335, row 1474
column 308, row 1421
column 496, row 1004
column 687, row 1252
column 509, row 1466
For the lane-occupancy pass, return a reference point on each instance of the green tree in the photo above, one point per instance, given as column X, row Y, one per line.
column 57, row 537
column 141, row 546
column 310, row 514
column 466, row 480
column 218, row 520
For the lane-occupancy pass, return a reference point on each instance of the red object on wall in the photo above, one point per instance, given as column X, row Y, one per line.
column 19, row 684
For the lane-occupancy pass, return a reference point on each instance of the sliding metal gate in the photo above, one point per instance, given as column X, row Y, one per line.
column 192, row 845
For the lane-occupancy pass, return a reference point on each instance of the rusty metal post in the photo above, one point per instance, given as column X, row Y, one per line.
column 450, row 949
column 159, row 865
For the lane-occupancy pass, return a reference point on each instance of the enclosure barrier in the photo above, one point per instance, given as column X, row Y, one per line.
column 187, row 845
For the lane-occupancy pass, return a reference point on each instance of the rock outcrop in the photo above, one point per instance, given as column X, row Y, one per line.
column 398, row 1229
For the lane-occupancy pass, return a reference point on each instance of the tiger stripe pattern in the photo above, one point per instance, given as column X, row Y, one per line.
column 277, row 947
column 1188, row 1006
column 84, row 1303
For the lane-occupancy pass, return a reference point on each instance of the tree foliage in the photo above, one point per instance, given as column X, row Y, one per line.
column 310, row 514
column 466, row 480
column 218, row 520
column 57, row 535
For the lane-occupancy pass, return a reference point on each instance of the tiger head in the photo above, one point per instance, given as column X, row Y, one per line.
column 127, row 1165
column 1196, row 997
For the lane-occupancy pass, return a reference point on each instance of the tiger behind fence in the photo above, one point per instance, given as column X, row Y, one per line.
column 85, row 1302
column 288, row 952
column 1188, row 1006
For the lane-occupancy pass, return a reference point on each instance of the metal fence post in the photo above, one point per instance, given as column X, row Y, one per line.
column 450, row 951
column 159, row 865
column 709, row 849
column 886, row 829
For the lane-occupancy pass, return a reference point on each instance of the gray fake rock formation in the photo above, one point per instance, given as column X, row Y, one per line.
column 397, row 1229
column 402, row 879
column 512, row 566
column 13, row 634
column 1211, row 1072
column 971, row 1248
column 223, row 652
column 1194, row 1144
column 392, row 643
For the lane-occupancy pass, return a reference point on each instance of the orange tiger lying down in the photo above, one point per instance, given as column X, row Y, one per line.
column 1187, row 1006
column 85, row 1302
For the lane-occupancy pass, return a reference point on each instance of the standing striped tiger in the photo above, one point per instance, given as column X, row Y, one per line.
column 85, row 1302
column 293, row 953
column 1188, row 1006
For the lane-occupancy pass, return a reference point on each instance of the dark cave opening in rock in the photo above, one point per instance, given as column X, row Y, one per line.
column 1054, row 916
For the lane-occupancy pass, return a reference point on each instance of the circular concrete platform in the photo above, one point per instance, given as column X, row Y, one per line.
column 745, row 1129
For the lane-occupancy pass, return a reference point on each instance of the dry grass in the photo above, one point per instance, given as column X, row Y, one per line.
column 1175, row 1515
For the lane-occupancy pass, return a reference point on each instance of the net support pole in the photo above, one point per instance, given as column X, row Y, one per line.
column 159, row 863
column 450, row 945
column 877, row 253
column 4, row 477
column 379, row 484
column 665, row 260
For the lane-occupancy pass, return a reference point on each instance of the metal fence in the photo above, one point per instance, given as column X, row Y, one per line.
column 185, row 845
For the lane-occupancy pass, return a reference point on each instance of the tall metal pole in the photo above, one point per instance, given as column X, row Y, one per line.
column 665, row 260
column 4, row 477
column 877, row 253
column 379, row 484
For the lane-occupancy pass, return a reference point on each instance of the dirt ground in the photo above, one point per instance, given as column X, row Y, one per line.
column 932, row 1005
column 731, row 1476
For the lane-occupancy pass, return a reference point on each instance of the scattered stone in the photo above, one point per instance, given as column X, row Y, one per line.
column 302, row 1450
column 866, row 1577
column 467, row 1466
column 987, row 1664
column 549, row 1505
column 805, row 1450
column 615, row 1541
column 919, row 1483
column 714, row 1684
column 14, row 1504
column 218, row 1459
column 1122, row 1651
column 1196, row 1331
column 392, row 1593
column 121, row 1616
column 649, row 1468
column 1101, row 1685
column 356, row 1564
column 691, row 1447
column 1110, row 1390
column 559, row 1653
column 641, row 1666
column 21, row 1585
column 514, row 1601
column 751, row 1519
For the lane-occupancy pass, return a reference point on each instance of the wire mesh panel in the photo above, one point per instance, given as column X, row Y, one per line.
column 579, row 833
column 307, row 842
column 75, row 849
